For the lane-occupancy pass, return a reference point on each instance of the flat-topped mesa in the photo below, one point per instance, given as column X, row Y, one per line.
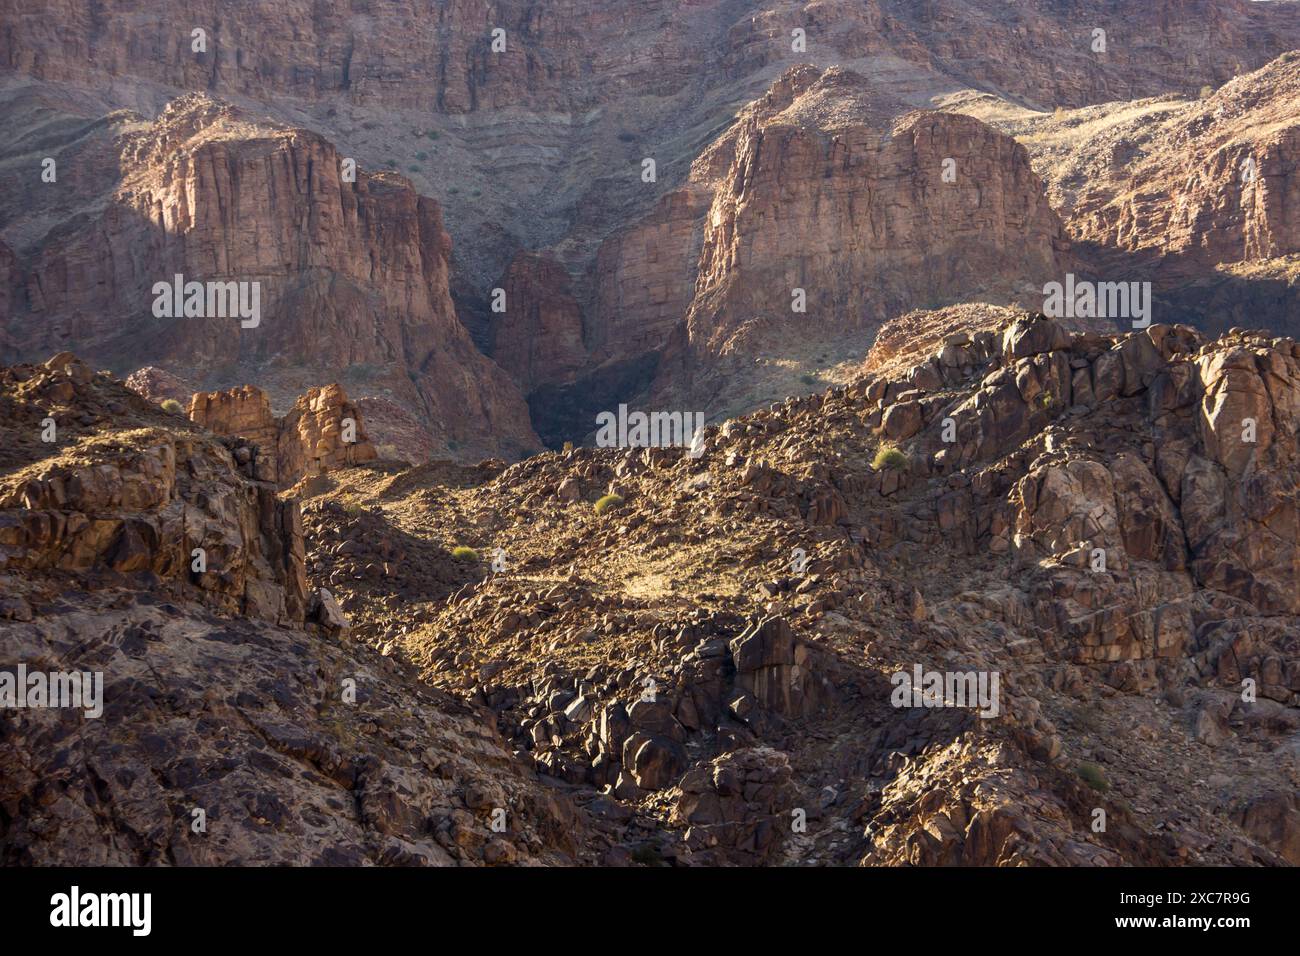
column 323, row 431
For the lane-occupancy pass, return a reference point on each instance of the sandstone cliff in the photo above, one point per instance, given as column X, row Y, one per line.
column 401, row 55
column 580, row 95
column 829, row 214
column 351, row 276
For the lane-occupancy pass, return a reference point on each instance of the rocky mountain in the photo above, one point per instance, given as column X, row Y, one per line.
column 1194, row 194
column 313, row 318
column 1109, row 524
column 1095, row 529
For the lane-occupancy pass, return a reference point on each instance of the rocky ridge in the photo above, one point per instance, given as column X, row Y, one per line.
column 237, row 726
column 1097, row 530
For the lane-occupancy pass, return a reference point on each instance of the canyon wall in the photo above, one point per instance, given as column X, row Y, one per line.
column 349, row 275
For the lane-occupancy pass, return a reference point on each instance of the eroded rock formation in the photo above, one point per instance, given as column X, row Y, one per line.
column 321, row 432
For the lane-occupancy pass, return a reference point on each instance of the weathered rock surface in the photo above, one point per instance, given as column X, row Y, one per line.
column 835, row 206
column 323, row 430
column 1214, row 181
column 230, row 733
column 123, row 493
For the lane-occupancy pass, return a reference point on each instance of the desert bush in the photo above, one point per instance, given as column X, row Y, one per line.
column 173, row 406
column 1094, row 777
column 887, row 456
column 608, row 503
column 462, row 553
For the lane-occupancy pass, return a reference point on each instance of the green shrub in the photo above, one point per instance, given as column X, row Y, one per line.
column 173, row 406
column 608, row 503
column 1094, row 777
column 887, row 456
column 421, row 155
column 462, row 553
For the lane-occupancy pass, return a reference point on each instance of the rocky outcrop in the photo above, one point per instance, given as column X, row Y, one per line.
column 321, row 432
column 159, row 385
column 175, row 508
column 137, row 549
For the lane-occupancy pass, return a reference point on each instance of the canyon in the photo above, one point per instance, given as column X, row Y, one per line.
column 378, row 571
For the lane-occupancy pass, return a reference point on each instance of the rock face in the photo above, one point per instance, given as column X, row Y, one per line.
column 348, row 275
column 407, row 58
column 831, row 213
column 538, row 338
column 860, row 216
column 1214, row 181
column 322, row 431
